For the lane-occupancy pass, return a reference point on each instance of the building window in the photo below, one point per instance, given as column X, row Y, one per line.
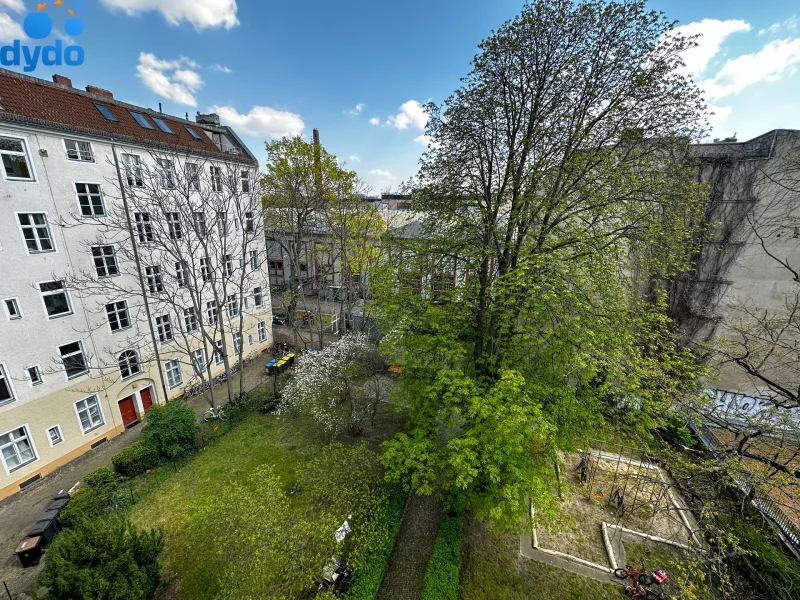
column 174, row 375
column 81, row 151
column 233, row 306
column 90, row 414
column 441, row 283
column 190, row 320
column 262, row 331
column 205, row 272
column 90, row 199
column 35, row 375
column 164, row 327
column 229, row 265
column 55, row 436
column 16, row 449
column 154, row 282
column 249, row 222
column 129, row 364
column 218, row 353
column 73, row 359
column 249, row 339
column 237, row 343
column 199, row 360
column 105, row 112
column 6, row 391
column 56, row 299
column 222, row 223
column 105, row 262
column 162, row 125
column 166, row 173
column 212, row 312
column 133, row 169
column 141, row 119
column 216, row 179
column 144, row 227
column 181, row 274
column 254, row 260
column 174, row 226
column 245, row 179
column 12, row 309
column 276, row 272
column 15, row 159
column 193, row 176
column 258, row 297
column 200, row 224
column 118, row 316
column 36, row 232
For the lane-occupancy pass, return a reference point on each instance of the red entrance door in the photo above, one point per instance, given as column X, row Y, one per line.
column 147, row 398
column 128, row 411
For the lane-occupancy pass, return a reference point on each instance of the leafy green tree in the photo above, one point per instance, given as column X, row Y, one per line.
column 171, row 428
column 557, row 194
column 96, row 499
column 103, row 559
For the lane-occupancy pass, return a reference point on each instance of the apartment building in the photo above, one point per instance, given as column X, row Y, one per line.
column 132, row 263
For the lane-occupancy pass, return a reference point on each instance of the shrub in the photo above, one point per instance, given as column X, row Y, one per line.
column 101, row 480
column 171, row 428
column 94, row 500
column 103, row 559
column 135, row 459
column 441, row 579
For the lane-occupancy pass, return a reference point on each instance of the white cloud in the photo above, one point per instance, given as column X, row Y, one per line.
column 383, row 174
column 15, row 5
column 10, row 29
column 357, row 109
column 768, row 64
column 712, row 33
column 354, row 159
column 200, row 13
column 261, row 120
column 423, row 139
column 221, row 69
column 172, row 79
column 411, row 113
column 374, row 121
column 791, row 24
column 721, row 113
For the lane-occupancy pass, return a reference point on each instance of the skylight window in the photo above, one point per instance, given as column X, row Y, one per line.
column 193, row 133
column 105, row 112
column 162, row 125
column 141, row 120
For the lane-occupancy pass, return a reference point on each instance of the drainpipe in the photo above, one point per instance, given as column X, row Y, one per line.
column 139, row 272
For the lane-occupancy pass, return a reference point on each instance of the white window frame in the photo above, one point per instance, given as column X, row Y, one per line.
column 118, row 311
column 249, row 339
column 181, row 274
column 133, row 170
column 190, row 318
column 131, row 373
column 104, row 257
column 201, row 351
column 85, row 360
column 233, row 306
column 80, row 156
column 258, row 294
column 164, row 327
column 215, row 174
column 174, row 225
column 205, row 270
column 63, row 290
column 38, row 240
column 89, row 195
column 176, row 365
column 254, row 260
column 234, row 336
column 193, row 176
column 154, row 280
column 229, row 268
column 200, row 223
column 29, row 438
column 212, row 305
column 244, row 178
column 15, row 301
column 166, row 173
column 38, row 373
column 100, row 409
column 142, row 221
column 24, row 154
column 57, row 427
column 217, row 351
column 9, row 384
column 262, row 328
column 222, row 223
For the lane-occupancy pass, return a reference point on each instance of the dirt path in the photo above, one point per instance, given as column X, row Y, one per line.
column 405, row 574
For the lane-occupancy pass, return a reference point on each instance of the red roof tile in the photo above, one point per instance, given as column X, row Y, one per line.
column 30, row 100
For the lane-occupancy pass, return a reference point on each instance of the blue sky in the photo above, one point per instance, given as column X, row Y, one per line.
column 358, row 70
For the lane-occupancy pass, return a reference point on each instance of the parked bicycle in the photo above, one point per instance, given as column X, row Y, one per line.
column 212, row 414
column 636, row 576
column 638, row 591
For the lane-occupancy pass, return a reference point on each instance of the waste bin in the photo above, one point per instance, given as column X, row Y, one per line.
column 58, row 503
column 51, row 514
column 46, row 528
column 30, row 551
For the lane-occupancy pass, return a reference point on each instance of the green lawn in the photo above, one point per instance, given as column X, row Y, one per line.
column 492, row 569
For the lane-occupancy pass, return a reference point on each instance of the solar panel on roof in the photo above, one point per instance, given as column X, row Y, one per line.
column 193, row 133
column 162, row 125
column 105, row 112
column 141, row 119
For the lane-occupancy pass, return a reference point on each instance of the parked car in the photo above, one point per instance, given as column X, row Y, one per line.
column 280, row 320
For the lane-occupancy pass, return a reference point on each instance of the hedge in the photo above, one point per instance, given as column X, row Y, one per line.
column 92, row 501
column 171, row 428
column 367, row 575
column 135, row 459
column 441, row 578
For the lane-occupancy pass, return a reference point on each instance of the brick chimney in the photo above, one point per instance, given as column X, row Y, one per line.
column 62, row 80
column 99, row 91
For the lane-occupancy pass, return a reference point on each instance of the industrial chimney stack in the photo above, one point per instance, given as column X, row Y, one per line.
column 317, row 162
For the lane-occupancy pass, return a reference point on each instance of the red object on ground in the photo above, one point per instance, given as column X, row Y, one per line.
column 660, row 576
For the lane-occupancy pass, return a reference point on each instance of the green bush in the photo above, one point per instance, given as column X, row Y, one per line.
column 441, row 579
column 171, row 428
column 369, row 571
column 103, row 559
column 92, row 501
column 135, row 459
column 770, row 568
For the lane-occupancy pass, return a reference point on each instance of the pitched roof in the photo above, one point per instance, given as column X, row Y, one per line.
column 25, row 99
